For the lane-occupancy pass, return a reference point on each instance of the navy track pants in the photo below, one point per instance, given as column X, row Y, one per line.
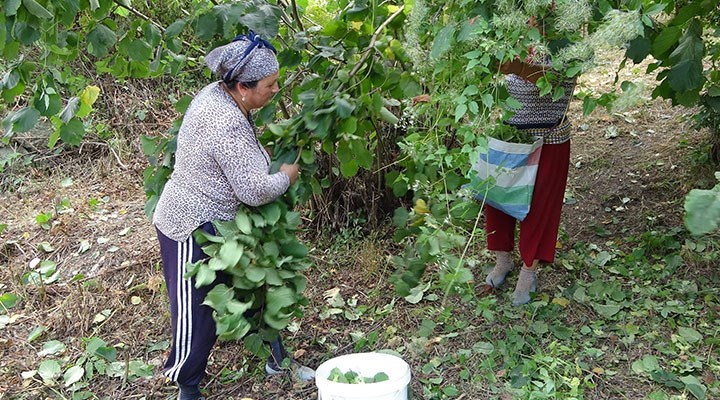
column 193, row 327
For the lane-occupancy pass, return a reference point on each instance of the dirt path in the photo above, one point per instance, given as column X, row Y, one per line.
column 629, row 170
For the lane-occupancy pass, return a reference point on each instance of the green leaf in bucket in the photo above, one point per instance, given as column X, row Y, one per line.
column 337, row 376
column 352, row 377
column 380, row 377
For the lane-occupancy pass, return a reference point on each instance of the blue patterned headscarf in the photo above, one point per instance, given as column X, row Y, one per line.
column 247, row 58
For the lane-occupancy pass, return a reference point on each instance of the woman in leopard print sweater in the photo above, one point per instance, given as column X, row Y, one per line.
column 219, row 164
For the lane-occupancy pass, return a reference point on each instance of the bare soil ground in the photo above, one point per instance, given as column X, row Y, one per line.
column 630, row 170
column 629, row 173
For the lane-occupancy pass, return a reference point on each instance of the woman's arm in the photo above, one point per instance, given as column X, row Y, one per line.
column 529, row 72
column 245, row 165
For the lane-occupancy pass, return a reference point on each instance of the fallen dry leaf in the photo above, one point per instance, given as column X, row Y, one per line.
column 423, row 98
column 486, row 290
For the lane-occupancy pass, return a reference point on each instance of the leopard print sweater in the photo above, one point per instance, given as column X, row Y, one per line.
column 219, row 164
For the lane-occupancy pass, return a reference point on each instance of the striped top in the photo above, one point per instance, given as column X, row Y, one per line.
column 219, row 164
column 541, row 116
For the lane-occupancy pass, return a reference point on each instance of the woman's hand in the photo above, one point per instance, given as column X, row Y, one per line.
column 291, row 170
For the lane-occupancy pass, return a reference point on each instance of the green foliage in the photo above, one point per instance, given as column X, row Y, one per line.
column 75, row 373
column 42, row 41
column 622, row 295
column 45, row 219
column 263, row 261
column 702, row 210
column 679, row 48
column 342, row 79
column 685, row 51
column 41, row 273
column 508, row 133
column 347, row 72
column 441, row 236
column 7, row 301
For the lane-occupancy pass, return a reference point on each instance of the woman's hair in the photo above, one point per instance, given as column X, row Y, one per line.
column 248, row 85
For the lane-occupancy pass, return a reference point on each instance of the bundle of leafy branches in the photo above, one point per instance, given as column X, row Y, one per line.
column 262, row 259
column 509, row 133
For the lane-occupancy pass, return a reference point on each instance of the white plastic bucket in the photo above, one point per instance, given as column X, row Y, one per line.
column 367, row 365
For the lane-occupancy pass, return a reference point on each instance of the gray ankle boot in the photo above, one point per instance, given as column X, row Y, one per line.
column 503, row 265
column 527, row 282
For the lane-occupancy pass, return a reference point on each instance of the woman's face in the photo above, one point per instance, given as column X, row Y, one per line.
column 260, row 95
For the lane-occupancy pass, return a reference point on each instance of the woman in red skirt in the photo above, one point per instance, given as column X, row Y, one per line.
column 540, row 116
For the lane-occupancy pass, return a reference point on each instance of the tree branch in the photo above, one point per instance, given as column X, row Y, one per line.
column 283, row 108
column 297, row 16
column 139, row 14
column 370, row 46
